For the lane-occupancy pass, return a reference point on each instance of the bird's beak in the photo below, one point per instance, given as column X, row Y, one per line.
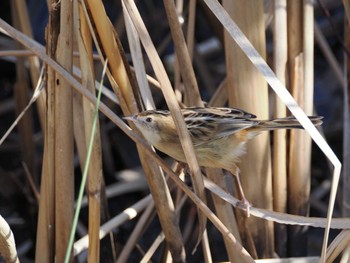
column 130, row 118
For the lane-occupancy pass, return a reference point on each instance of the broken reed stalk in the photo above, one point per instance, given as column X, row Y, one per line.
column 247, row 89
column 279, row 136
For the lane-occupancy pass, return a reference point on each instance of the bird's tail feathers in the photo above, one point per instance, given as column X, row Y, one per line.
column 288, row 123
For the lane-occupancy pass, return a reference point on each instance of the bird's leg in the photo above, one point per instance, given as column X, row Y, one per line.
column 243, row 203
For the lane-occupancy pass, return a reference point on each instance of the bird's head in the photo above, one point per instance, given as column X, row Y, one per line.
column 152, row 124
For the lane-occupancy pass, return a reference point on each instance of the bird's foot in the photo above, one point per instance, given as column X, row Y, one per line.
column 245, row 206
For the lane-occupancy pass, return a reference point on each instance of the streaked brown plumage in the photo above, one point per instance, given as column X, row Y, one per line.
column 219, row 135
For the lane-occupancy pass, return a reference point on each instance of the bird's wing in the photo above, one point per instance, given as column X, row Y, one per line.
column 208, row 124
column 218, row 111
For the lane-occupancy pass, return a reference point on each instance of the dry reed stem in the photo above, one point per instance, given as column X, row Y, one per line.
column 45, row 240
column 179, row 88
column 279, row 136
column 192, row 96
column 95, row 166
column 45, row 234
column 105, row 91
column 34, row 65
column 295, row 48
column 281, row 218
column 308, row 50
column 128, row 214
column 219, row 98
column 30, row 180
column 171, row 102
column 21, row 20
column 152, row 249
column 139, row 66
column 108, row 43
column 345, row 255
column 63, row 135
column 191, row 27
column 248, row 90
column 16, row 53
column 338, row 245
column 225, row 212
column 136, row 234
column 300, row 142
column 289, row 260
column 25, row 125
column 204, row 73
column 206, row 248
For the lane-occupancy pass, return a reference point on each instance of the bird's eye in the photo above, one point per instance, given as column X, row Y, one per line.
column 149, row 119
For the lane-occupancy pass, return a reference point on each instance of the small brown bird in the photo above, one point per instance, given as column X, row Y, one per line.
column 219, row 135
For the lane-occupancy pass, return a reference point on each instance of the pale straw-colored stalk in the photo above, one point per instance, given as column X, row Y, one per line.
column 279, row 136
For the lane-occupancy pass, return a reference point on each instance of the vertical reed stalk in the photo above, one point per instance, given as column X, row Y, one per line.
column 247, row 89
column 300, row 40
column 45, row 242
column 95, row 165
column 279, row 143
column 294, row 20
column 63, row 136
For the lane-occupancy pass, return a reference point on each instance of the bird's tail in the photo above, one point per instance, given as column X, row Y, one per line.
column 287, row 123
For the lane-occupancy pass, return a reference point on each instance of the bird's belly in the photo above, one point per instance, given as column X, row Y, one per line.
column 173, row 150
column 216, row 154
column 220, row 156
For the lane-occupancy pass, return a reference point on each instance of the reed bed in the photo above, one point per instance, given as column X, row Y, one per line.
column 139, row 205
